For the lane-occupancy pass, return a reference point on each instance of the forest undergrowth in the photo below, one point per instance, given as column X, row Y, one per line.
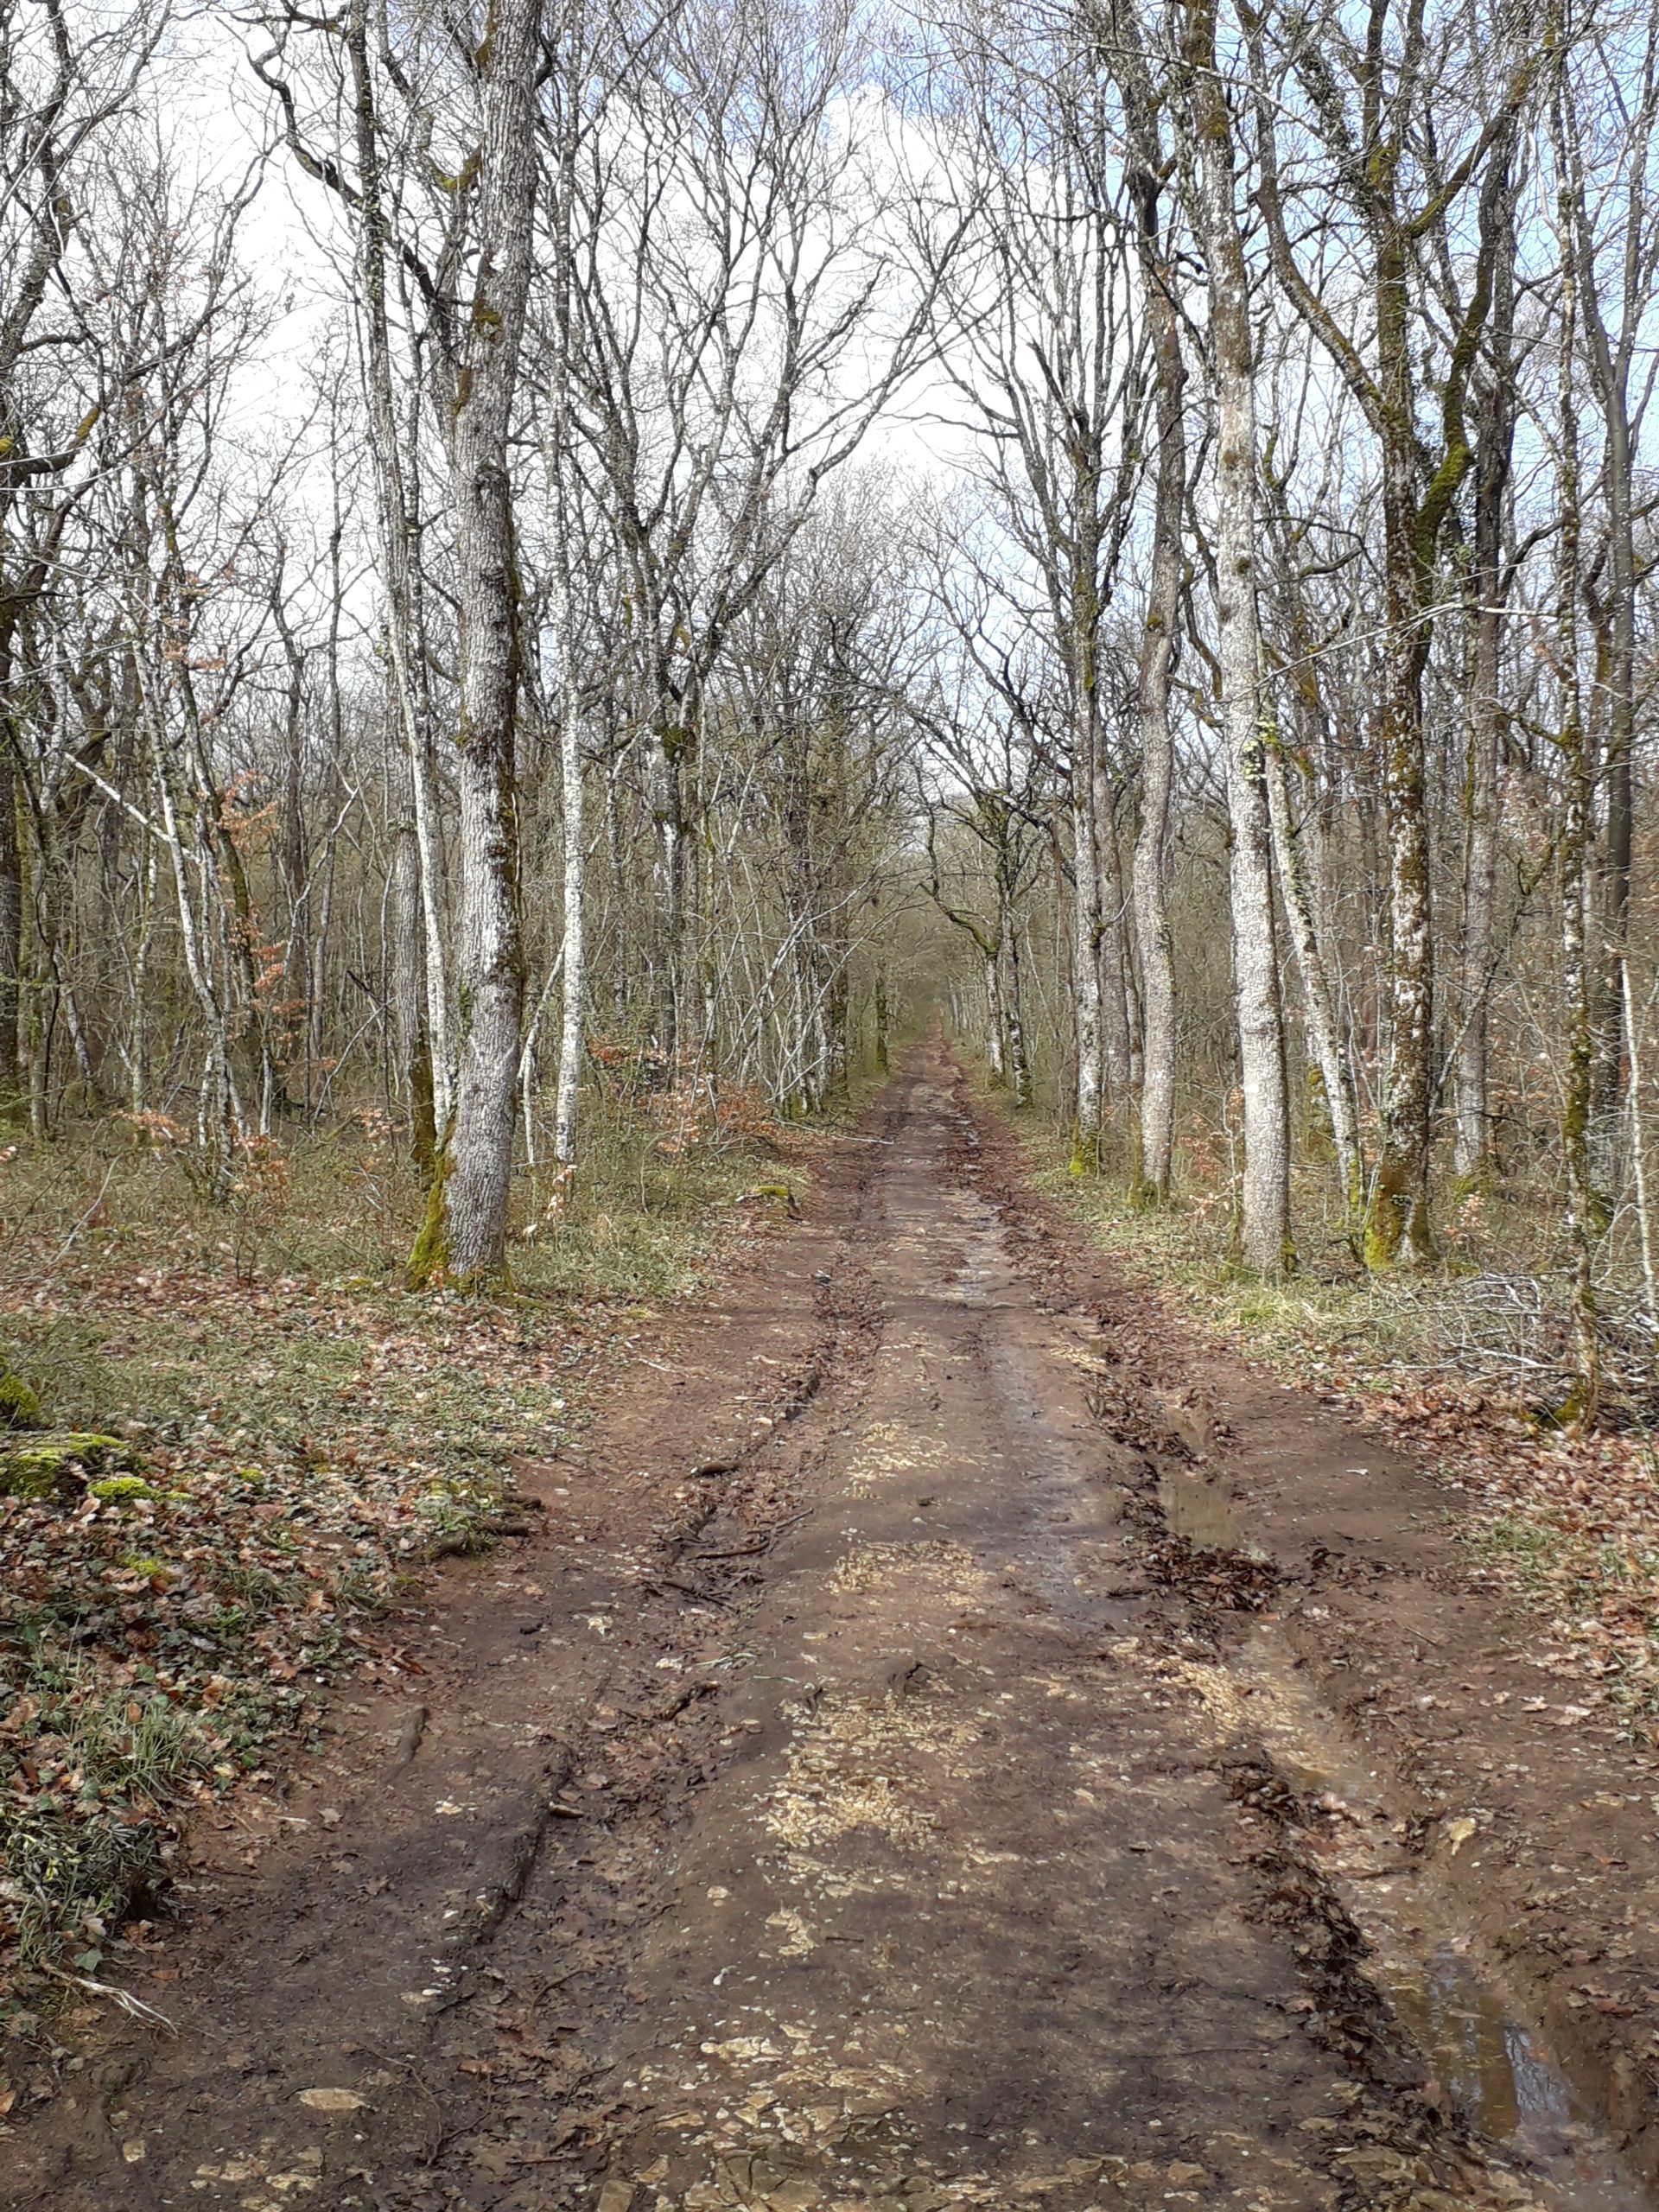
column 1462, row 1365
column 248, row 1440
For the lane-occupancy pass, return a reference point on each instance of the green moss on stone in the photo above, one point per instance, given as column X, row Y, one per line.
column 19, row 1405
column 121, row 1490
column 50, row 1466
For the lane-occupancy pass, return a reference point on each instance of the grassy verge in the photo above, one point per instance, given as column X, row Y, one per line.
column 1454, row 1368
column 293, row 1438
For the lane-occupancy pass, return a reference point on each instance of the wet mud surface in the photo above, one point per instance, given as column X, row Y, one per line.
column 952, row 1743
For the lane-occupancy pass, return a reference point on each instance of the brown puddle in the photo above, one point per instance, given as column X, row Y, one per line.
column 1196, row 1509
column 1498, row 2072
column 1492, row 2060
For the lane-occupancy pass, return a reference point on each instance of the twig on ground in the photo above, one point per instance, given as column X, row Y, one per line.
column 133, row 2006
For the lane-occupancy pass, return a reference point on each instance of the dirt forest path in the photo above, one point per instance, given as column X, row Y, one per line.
column 952, row 1746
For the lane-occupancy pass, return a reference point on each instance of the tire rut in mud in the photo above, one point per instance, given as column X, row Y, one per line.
column 1425, row 2102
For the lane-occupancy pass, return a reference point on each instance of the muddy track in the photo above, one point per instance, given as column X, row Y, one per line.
column 903, row 1771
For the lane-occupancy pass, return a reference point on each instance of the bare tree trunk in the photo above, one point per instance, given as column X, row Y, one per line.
column 1609, row 353
column 1159, row 637
column 1419, row 483
column 1494, row 451
column 1114, row 1050
column 668, row 806
column 413, row 1047
column 573, row 825
column 1582, row 1198
column 395, row 546
column 1639, row 1150
column 572, row 1028
column 1326, row 1032
column 1398, row 1225
column 139, row 1023
column 1086, row 972
column 995, row 1026
column 619, row 963
column 218, row 1110
column 1264, row 1227
column 1302, row 858
column 465, row 1235
column 289, row 1043
column 1019, row 1066
column 11, row 944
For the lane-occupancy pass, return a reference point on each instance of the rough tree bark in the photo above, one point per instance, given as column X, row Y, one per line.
column 428, row 1035
column 1264, row 1224
column 1161, row 628
column 1019, row 1062
column 560, row 501
column 1324, row 1029
column 1494, row 450
column 411, row 1048
column 11, row 944
column 1298, row 729
column 1085, row 969
column 1583, row 1198
column 464, row 1236
column 1418, row 488
column 1611, row 355
column 572, row 1026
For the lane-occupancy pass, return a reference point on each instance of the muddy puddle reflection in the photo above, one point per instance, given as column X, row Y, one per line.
column 1491, row 2060
column 1196, row 1509
column 1493, row 2063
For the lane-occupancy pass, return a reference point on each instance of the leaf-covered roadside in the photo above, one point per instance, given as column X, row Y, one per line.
column 294, row 1438
column 162, row 1626
column 1570, row 1521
